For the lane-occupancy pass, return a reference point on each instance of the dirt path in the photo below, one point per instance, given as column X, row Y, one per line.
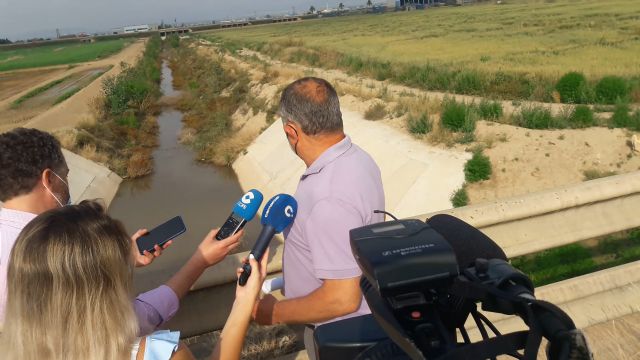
column 523, row 160
column 76, row 109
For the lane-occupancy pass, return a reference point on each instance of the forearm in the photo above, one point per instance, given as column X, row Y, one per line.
column 184, row 279
column 233, row 333
column 326, row 306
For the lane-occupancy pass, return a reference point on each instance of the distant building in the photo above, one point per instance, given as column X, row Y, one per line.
column 134, row 29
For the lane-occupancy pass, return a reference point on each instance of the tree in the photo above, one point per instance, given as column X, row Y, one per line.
column 341, row 6
column 369, row 3
column 312, row 10
column 5, row 41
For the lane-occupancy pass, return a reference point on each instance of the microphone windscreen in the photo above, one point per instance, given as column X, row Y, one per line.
column 279, row 212
column 248, row 205
column 467, row 242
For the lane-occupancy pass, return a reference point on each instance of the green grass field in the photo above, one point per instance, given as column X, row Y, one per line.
column 61, row 54
column 534, row 41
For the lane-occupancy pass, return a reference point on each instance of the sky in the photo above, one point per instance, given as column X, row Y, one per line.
column 21, row 19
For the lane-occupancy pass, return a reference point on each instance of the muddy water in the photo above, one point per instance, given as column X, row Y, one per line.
column 202, row 194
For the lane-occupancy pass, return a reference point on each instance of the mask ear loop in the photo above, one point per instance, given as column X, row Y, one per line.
column 51, row 192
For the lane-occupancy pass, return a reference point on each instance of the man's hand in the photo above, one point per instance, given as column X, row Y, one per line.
column 147, row 257
column 263, row 311
column 212, row 251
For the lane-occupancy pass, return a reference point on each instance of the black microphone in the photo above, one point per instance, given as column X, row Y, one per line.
column 278, row 213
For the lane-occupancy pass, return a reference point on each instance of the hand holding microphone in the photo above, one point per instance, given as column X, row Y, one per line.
column 277, row 215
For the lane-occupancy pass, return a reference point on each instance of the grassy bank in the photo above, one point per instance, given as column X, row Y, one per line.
column 212, row 92
column 62, row 54
column 125, row 132
column 515, row 51
column 578, row 259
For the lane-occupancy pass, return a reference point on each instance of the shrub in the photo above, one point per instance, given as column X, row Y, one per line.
column 620, row 117
column 421, row 125
column 573, row 88
column 460, row 197
column 582, row 116
column 491, row 110
column 478, row 168
column 376, row 111
column 611, row 89
column 537, row 117
column 468, row 82
column 457, row 117
column 128, row 119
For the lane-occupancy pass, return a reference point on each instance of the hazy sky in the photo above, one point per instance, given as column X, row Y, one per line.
column 28, row 18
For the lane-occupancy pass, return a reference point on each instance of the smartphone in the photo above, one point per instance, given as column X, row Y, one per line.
column 233, row 224
column 161, row 234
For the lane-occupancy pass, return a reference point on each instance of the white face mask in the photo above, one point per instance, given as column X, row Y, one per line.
column 54, row 195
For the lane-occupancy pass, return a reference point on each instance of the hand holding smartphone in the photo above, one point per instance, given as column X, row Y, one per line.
column 161, row 234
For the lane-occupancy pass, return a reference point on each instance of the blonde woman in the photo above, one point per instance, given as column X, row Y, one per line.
column 69, row 294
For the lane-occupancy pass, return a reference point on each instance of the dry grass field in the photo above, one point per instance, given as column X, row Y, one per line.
column 550, row 37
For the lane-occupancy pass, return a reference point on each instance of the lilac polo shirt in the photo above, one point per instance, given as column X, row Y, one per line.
column 152, row 308
column 337, row 193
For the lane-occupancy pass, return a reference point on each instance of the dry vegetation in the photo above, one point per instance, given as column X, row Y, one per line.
column 212, row 92
column 520, row 54
column 125, row 131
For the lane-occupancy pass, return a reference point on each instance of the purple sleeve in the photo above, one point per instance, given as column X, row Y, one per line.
column 155, row 307
column 327, row 229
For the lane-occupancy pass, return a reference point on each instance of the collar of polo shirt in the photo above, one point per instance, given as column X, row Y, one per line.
column 328, row 156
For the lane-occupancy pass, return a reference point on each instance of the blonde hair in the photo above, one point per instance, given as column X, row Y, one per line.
column 69, row 288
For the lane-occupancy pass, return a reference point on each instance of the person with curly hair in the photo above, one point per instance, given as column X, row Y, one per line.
column 34, row 179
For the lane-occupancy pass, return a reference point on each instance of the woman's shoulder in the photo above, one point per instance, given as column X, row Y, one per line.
column 162, row 345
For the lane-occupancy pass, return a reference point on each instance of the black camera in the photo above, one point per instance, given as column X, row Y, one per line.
column 423, row 282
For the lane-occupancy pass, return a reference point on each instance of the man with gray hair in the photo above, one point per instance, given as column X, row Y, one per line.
column 339, row 191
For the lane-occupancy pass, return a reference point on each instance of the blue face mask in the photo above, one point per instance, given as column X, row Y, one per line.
column 54, row 195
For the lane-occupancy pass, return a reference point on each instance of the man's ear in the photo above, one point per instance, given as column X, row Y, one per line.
column 45, row 177
column 291, row 131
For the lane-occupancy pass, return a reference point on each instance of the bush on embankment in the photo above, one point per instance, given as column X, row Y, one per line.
column 212, row 92
column 125, row 131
